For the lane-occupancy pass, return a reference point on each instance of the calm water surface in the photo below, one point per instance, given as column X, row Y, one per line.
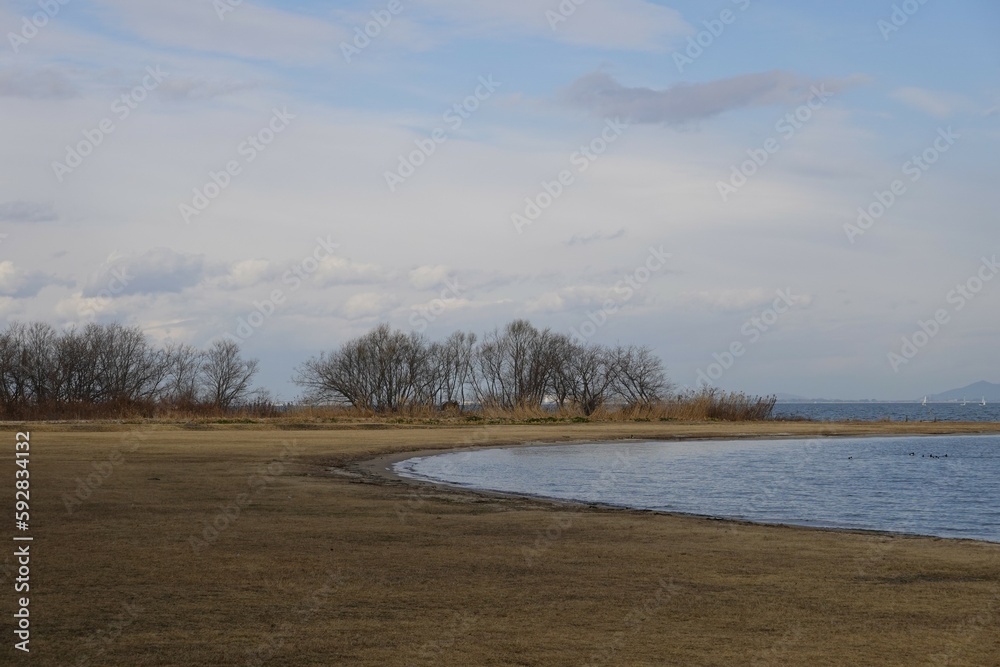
column 948, row 486
column 946, row 412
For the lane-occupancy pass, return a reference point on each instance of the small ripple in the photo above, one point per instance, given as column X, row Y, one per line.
column 767, row 481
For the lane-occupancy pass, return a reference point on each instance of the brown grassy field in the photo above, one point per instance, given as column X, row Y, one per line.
column 314, row 561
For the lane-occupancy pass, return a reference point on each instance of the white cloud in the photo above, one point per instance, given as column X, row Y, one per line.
column 247, row 273
column 368, row 304
column 425, row 277
column 739, row 299
column 452, row 218
column 340, row 271
column 249, row 31
column 9, row 279
column 23, row 283
column 729, row 299
column 933, row 103
column 609, row 24
column 439, row 306
column 571, row 298
column 150, row 272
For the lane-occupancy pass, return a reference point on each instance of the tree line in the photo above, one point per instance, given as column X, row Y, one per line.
column 103, row 367
column 514, row 367
column 113, row 370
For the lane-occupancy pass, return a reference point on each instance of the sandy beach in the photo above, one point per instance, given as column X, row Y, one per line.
column 290, row 544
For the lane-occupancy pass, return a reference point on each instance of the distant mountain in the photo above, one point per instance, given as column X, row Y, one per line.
column 973, row 392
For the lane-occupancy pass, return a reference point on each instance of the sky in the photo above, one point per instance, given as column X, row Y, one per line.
column 793, row 197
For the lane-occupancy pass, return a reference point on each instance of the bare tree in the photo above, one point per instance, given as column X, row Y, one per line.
column 451, row 367
column 130, row 369
column 383, row 370
column 38, row 362
column 586, row 375
column 227, row 374
column 77, row 365
column 184, row 381
column 332, row 377
column 639, row 377
column 514, row 366
column 13, row 376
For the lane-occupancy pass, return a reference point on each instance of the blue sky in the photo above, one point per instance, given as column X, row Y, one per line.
column 441, row 249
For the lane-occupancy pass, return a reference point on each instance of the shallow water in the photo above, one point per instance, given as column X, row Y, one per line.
column 948, row 486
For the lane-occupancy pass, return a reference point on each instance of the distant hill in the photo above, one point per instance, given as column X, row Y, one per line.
column 973, row 392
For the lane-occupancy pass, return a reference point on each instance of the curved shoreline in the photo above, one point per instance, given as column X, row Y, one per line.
column 380, row 469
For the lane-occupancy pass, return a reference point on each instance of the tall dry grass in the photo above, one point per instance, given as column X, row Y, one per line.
column 712, row 403
column 702, row 405
column 135, row 410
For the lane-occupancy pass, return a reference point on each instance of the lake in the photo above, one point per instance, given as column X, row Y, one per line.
column 971, row 412
column 946, row 486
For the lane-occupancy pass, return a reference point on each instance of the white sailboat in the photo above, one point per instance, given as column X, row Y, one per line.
column 924, row 402
column 984, row 401
column 964, row 402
